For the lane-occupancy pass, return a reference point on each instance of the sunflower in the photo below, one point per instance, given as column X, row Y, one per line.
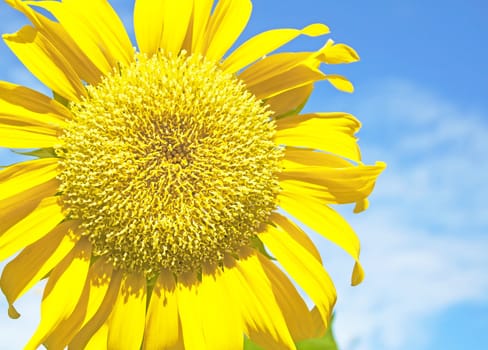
column 169, row 182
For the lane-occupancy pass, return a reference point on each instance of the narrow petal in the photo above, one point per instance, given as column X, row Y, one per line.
column 296, row 77
column 130, row 304
column 96, row 329
column 26, row 105
column 95, row 289
column 274, row 65
column 296, row 233
column 34, row 226
column 340, row 82
column 300, row 157
column 45, row 62
column 333, row 185
column 222, row 326
column 98, row 340
column 266, row 42
column 190, row 311
column 303, row 268
column 36, row 261
column 22, row 176
column 337, row 53
column 148, row 24
column 326, row 221
column 198, row 25
column 96, row 29
column 29, row 119
column 176, row 18
column 263, row 77
column 62, row 291
column 262, row 317
column 56, row 34
column 15, row 209
column 297, row 316
column 162, row 316
column 330, row 186
column 26, row 136
column 290, row 102
column 330, row 132
column 162, row 24
column 228, row 20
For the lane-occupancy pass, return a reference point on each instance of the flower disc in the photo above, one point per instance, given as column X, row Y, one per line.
column 169, row 163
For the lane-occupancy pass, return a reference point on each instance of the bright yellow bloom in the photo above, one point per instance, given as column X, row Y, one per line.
column 154, row 204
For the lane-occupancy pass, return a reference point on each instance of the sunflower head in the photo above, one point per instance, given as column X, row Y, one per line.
column 170, row 184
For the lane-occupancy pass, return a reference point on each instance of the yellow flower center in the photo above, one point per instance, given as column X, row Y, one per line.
column 169, row 163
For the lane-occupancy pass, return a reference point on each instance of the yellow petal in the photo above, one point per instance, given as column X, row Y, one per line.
column 264, row 323
column 44, row 61
column 326, row 221
column 162, row 316
column 290, row 102
column 47, row 215
column 296, row 77
column 267, row 72
column 29, row 119
column 274, row 65
column 303, row 268
column 337, row 53
column 189, row 308
column 22, row 176
column 297, row 316
column 340, row 83
column 96, row 29
column 15, row 209
column 95, row 289
column 226, row 24
column 62, row 291
column 130, row 305
column 99, row 339
column 56, row 34
column 361, row 205
column 331, row 132
column 26, row 136
column 148, row 24
column 266, row 42
column 277, row 74
column 176, row 18
column 198, row 25
column 332, row 185
column 36, row 261
column 298, row 158
column 296, row 233
column 222, row 326
column 19, row 104
column 93, row 332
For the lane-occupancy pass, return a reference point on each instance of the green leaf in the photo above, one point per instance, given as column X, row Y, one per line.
column 259, row 246
column 327, row 342
column 61, row 99
column 249, row 345
column 39, row 153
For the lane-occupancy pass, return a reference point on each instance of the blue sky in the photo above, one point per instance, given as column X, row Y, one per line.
column 422, row 95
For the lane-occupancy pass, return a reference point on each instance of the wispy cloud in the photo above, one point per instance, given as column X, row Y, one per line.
column 423, row 247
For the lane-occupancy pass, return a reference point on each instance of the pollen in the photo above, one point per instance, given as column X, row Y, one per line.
column 169, row 163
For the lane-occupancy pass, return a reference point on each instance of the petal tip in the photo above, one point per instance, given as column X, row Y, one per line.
column 12, row 312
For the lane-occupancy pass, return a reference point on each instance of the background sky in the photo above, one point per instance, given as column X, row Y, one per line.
column 422, row 95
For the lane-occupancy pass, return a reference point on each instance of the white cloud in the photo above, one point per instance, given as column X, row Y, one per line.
column 423, row 245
